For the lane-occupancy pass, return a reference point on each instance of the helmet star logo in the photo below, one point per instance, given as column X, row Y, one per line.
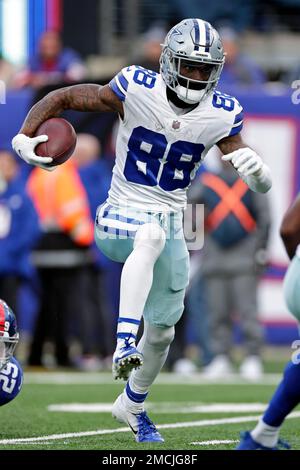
column 176, row 32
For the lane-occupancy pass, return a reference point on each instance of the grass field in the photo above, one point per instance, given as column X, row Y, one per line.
column 190, row 415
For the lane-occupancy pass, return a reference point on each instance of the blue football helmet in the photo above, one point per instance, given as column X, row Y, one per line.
column 9, row 335
column 11, row 380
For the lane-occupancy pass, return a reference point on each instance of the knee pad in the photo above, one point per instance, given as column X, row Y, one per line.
column 151, row 236
column 160, row 338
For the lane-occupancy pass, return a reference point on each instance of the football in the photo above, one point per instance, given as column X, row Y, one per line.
column 61, row 142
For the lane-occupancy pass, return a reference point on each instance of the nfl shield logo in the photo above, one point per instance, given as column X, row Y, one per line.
column 176, row 125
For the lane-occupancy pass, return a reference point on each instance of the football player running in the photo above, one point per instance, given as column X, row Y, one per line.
column 168, row 122
column 11, row 374
column 265, row 435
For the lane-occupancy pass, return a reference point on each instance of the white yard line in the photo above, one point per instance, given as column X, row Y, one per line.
column 213, row 443
column 190, row 424
column 87, row 378
column 163, row 407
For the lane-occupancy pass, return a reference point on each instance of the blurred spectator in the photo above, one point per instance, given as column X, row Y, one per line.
column 237, row 223
column 63, row 251
column 7, row 71
column 19, row 230
column 292, row 75
column 52, row 64
column 240, row 13
column 94, row 171
column 151, row 48
column 239, row 69
column 198, row 316
column 96, row 333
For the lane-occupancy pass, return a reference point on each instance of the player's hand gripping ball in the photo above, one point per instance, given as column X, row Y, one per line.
column 61, row 140
column 53, row 143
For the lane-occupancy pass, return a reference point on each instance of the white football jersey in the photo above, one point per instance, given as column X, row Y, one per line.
column 158, row 152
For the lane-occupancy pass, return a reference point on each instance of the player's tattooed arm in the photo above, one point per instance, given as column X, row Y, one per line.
column 290, row 228
column 230, row 144
column 86, row 97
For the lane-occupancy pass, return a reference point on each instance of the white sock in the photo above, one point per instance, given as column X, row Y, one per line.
column 265, row 435
column 133, row 401
column 137, row 277
column 154, row 345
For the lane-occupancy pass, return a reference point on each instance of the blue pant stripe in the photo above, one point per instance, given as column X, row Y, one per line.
column 121, row 218
column 136, row 397
column 116, row 231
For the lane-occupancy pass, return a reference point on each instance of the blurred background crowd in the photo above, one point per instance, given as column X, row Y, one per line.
column 63, row 290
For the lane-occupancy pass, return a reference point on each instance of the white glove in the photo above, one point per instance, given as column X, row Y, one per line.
column 24, row 146
column 245, row 160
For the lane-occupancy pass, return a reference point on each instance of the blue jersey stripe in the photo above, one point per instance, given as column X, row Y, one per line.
column 207, row 37
column 235, row 130
column 197, row 35
column 113, row 85
column 123, row 81
column 239, row 117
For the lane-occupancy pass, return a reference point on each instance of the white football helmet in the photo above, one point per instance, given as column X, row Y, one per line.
column 192, row 42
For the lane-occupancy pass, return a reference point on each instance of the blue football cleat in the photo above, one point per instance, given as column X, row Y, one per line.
column 125, row 359
column 248, row 443
column 147, row 431
column 140, row 424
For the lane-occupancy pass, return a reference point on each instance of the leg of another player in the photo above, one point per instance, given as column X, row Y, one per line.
column 287, row 394
column 129, row 406
column 284, row 400
column 136, row 282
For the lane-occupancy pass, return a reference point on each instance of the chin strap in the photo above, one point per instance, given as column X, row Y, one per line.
column 190, row 96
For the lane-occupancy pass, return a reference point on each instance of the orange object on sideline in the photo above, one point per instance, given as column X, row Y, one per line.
column 61, row 202
column 231, row 201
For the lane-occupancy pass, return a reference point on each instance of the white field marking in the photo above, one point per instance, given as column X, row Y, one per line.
column 189, row 424
column 105, row 378
column 163, row 407
column 213, row 443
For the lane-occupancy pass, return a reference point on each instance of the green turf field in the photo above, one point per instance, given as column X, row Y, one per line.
column 180, row 409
